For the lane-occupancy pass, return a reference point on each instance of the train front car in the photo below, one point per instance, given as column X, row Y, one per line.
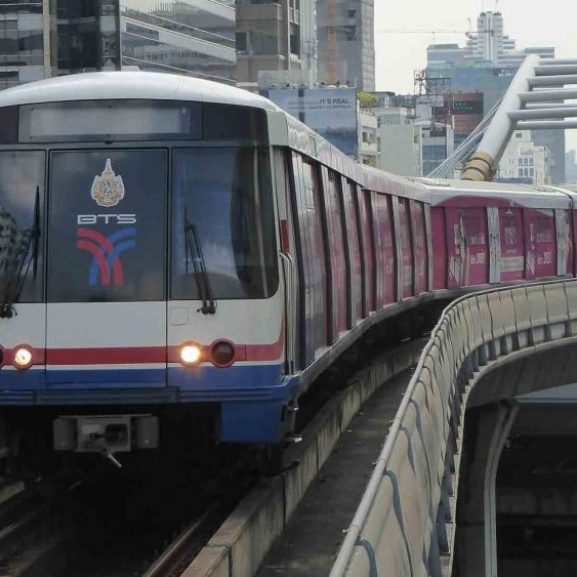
column 138, row 260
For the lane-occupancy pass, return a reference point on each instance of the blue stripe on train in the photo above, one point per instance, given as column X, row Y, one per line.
column 199, row 384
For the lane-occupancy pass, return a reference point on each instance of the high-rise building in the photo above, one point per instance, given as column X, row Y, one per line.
column 192, row 37
column 523, row 161
column 44, row 38
column 488, row 46
column 487, row 64
column 346, row 42
column 489, row 43
column 269, row 39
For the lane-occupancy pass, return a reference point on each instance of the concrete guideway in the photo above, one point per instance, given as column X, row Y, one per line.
column 486, row 347
column 238, row 548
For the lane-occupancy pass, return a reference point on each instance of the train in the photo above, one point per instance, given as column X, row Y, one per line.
column 172, row 244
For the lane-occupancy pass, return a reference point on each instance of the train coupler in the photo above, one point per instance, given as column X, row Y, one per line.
column 105, row 434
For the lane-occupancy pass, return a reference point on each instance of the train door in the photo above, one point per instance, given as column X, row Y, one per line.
column 540, row 241
column 106, row 269
column 354, row 253
column 384, row 250
column 455, row 247
column 530, row 243
column 407, row 259
column 512, row 244
column 337, row 262
column 307, row 209
column 494, row 245
column 563, row 229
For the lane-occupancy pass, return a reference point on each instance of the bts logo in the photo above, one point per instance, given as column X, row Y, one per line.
column 106, row 265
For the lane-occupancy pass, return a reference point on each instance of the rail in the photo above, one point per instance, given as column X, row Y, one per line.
column 402, row 525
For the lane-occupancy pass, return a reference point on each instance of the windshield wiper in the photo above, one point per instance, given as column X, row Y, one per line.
column 194, row 253
column 16, row 281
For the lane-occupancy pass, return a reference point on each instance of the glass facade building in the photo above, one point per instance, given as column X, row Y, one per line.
column 44, row 38
column 192, row 37
column 21, row 43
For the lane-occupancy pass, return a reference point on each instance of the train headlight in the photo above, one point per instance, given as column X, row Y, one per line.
column 22, row 358
column 190, row 354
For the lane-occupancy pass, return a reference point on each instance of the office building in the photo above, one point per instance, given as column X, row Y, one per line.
column 191, row 37
column 51, row 38
column 269, row 40
column 368, row 147
column 40, row 39
column 346, row 44
column 400, row 148
column 523, row 161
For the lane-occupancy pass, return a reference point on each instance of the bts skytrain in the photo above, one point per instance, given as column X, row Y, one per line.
column 168, row 243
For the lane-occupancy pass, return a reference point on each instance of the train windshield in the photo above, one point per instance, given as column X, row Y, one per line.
column 120, row 219
column 107, row 226
column 222, row 224
column 21, row 230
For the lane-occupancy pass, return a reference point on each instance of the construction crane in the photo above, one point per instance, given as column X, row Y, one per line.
column 468, row 33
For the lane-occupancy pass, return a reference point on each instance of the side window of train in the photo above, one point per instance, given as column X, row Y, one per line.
column 384, row 249
column 419, row 246
column 366, row 224
column 336, row 241
column 406, row 248
column 312, row 268
column 354, row 251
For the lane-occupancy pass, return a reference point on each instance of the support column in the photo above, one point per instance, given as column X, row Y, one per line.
column 477, row 514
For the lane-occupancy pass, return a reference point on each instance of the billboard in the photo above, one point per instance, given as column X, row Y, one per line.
column 332, row 112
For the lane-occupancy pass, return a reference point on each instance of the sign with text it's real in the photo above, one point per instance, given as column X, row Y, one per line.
column 332, row 112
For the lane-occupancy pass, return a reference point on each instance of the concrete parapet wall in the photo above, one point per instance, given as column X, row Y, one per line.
column 238, row 548
column 405, row 522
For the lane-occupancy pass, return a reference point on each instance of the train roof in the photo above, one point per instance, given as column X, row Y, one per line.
column 380, row 181
column 131, row 85
column 442, row 190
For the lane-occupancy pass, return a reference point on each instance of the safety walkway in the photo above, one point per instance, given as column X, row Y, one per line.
column 310, row 542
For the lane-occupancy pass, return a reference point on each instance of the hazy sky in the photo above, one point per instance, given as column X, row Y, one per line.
column 529, row 22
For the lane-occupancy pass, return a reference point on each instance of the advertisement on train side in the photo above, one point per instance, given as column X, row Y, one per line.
column 332, row 112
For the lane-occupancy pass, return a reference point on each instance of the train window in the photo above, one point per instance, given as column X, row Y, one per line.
column 354, row 245
column 226, row 122
column 9, row 125
column 110, row 120
column 21, row 226
column 222, row 223
column 107, row 231
column 406, row 248
column 338, row 259
column 308, row 206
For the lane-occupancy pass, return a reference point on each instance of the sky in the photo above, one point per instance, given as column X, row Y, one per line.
column 529, row 22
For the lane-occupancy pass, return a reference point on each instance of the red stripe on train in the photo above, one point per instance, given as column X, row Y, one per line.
column 144, row 355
